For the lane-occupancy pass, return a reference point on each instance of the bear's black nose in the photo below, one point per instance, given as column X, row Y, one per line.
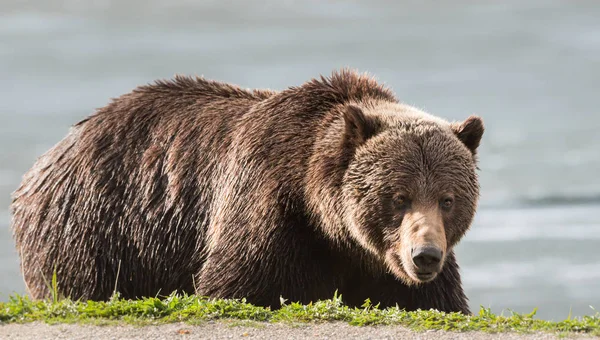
column 427, row 259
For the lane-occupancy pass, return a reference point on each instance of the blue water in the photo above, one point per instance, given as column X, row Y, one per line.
column 530, row 69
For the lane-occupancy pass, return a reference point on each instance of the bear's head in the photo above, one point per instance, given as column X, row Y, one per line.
column 410, row 189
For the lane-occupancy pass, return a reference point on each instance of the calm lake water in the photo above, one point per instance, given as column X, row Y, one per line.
column 531, row 69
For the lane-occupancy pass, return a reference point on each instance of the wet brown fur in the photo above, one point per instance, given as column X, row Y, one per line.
column 203, row 187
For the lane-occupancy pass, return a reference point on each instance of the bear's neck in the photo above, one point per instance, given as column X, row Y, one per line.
column 324, row 178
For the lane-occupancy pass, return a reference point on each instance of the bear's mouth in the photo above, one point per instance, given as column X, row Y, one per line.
column 426, row 277
column 407, row 272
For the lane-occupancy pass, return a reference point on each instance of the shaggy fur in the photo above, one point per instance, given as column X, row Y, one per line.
column 202, row 187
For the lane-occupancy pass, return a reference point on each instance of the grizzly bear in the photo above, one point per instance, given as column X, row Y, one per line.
column 197, row 186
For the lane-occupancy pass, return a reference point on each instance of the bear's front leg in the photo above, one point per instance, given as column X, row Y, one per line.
column 230, row 273
column 264, row 263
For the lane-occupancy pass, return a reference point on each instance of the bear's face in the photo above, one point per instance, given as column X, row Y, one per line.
column 411, row 190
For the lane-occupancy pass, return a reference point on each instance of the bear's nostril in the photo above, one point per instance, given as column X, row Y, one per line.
column 427, row 259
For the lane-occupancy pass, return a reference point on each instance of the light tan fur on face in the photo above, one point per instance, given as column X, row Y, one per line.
column 421, row 226
column 394, row 113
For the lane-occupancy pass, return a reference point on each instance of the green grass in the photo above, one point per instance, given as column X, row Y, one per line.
column 194, row 309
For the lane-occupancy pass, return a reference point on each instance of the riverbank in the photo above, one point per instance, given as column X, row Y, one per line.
column 237, row 330
column 21, row 316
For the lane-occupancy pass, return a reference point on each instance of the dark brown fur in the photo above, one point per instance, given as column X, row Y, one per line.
column 202, row 187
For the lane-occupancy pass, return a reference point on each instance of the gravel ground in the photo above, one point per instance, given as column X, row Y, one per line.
column 224, row 330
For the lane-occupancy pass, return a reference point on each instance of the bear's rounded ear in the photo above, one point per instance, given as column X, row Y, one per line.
column 358, row 127
column 469, row 132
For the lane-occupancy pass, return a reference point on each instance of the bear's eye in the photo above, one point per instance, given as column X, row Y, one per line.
column 447, row 203
column 401, row 202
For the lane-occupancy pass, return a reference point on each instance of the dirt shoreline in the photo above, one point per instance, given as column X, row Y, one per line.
column 229, row 330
